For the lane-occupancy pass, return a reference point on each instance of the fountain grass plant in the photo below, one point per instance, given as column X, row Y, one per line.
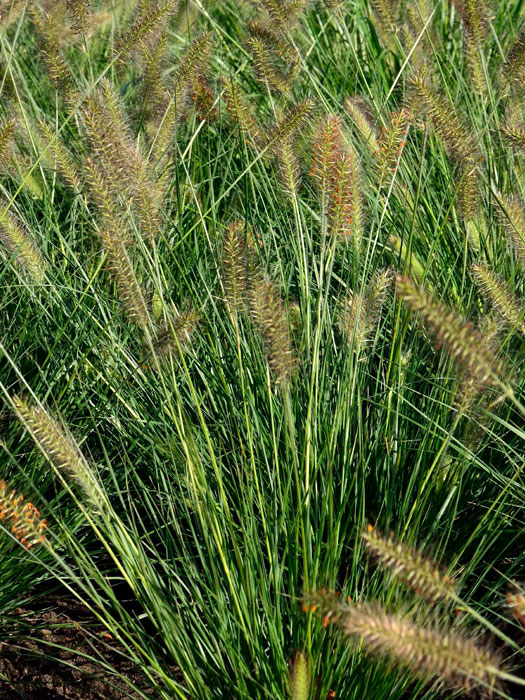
column 209, row 384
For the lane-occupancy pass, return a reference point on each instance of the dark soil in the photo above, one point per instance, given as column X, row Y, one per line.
column 33, row 668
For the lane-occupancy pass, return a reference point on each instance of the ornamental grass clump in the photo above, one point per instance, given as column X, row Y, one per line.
column 214, row 195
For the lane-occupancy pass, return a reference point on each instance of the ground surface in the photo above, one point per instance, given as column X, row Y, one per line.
column 28, row 672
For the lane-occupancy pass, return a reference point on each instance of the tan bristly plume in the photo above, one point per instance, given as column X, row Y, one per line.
column 430, row 652
column 150, row 17
column 498, row 294
column 61, row 155
column 235, row 268
column 269, row 314
column 449, row 330
column 115, row 239
column 409, row 565
column 79, row 11
column 360, row 311
column 390, row 146
column 122, row 165
column 513, row 221
column 60, row 449
column 358, row 110
column 336, row 169
column 20, row 245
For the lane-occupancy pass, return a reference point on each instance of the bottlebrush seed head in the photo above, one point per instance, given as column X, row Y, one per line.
column 360, row 312
column 79, row 11
column 516, row 605
column 7, row 132
column 193, row 66
column 468, row 194
column 289, row 166
column 376, row 293
column 175, row 334
column 353, row 320
column 327, row 148
column 292, row 121
column 432, row 653
column 500, row 297
column 469, row 387
column 512, row 218
column 390, row 145
column 514, row 66
column 59, row 448
column 461, row 339
column 235, row 269
column 19, row 243
column 359, row 112
column 475, row 15
column 63, row 158
column 450, row 127
column 150, row 18
column 300, row 680
column 345, row 213
column 282, row 14
column 327, row 603
column 241, row 114
column 336, row 169
column 265, row 65
column 270, row 317
column 409, row 565
column 21, row 518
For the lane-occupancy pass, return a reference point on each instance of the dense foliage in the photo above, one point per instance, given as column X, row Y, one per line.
column 262, row 269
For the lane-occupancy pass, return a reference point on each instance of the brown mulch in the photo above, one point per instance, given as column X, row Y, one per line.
column 25, row 673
